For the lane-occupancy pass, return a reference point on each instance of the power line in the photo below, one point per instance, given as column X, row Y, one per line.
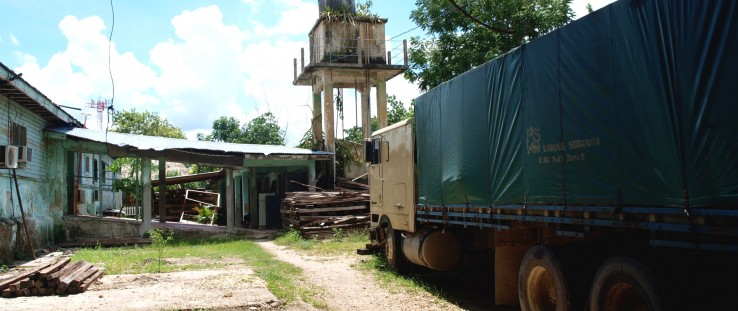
column 507, row 31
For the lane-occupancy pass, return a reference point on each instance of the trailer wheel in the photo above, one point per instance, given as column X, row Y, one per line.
column 623, row 283
column 542, row 284
column 393, row 250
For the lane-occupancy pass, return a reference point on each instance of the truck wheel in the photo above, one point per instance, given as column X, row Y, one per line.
column 542, row 284
column 393, row 250
column 623, row 283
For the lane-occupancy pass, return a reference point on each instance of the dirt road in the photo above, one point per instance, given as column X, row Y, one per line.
column 235, row 287
column 343, row 287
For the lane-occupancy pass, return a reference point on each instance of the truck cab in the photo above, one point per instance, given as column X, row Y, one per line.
column 390, row 156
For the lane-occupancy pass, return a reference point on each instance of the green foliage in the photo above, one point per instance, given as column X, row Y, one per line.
column 344, row 15
column 4, row 268
column 307, row 142
column 458, row 44
column 263, row 130
column 282, row 279
column 225, row 129
column 206, row 215
column 159, row 241
column 396, row 113
column 127, row 185
column 347, row 153
column 144, row 123
column 342, row 242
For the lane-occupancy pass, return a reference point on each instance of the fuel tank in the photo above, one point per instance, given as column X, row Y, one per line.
column 431, row 248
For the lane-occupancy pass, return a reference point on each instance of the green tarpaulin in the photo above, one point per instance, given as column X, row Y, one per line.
column 633, row 104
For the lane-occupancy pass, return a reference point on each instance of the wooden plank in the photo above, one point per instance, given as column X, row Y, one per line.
column 330, row 209
column 15, row 286
column 21, row 276
column 65, row 280
column 83, row 287
column 54, row 267
column 332, row 227
column 56, row 275
column 82, row 276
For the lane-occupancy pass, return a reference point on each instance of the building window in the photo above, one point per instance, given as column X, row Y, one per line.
column 104, row 168
column 94, row 170
column 18, row 134
column 87, row 164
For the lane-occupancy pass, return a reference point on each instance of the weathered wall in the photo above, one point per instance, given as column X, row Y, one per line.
column 38, row 184
column 94, row 227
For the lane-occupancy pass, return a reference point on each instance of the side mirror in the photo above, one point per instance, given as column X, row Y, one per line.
column 368, row 151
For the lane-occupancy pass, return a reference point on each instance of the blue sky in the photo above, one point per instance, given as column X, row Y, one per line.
column 190, row 61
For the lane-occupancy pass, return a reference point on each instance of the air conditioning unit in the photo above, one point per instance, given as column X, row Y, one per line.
column 9, row 156
column 25, row 154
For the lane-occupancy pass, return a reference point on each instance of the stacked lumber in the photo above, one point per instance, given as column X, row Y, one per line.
column 61, row 278
column 345, row 184
column 320, row 214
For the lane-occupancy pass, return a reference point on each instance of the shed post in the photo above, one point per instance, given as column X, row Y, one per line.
column 230, row 207
column 330, row 143
column 253, row 200
column 162, row 190
column 366, row 119
column 244, row 195
column 311, row 176
column 146, row 180
column 100, row 175
column 381, row 101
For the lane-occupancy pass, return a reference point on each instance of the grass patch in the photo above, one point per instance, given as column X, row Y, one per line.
column 283, row 279
column 388, row 279
column 342, row 242
column 347, row 243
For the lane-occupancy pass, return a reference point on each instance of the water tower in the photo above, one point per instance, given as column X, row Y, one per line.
column 347, row 50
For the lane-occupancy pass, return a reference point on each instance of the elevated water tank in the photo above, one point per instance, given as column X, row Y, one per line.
column 337, row 5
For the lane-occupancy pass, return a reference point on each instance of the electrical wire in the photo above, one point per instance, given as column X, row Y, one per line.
column 110, row 108
column 460, row 9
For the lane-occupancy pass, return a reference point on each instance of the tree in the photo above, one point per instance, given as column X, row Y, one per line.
column 140, row 123
column 144, row 123
column 458, row 43
column 263, row 130
column 397, row 112
column 225, row 130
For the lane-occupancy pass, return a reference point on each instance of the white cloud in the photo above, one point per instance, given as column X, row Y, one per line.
column 580, row 6
column 80, row 73
column 14, row 40
column 205, row 70
column 253, row 5
column 200, row 69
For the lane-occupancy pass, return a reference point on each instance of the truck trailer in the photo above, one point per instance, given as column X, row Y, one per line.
column 596, row 166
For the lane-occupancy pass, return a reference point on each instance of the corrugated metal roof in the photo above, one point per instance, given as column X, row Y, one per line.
column 13, row 86
column 142, row 142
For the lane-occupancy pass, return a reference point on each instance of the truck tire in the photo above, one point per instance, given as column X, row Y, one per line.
column 542, row 283
column 396, row 260
column 623, row 283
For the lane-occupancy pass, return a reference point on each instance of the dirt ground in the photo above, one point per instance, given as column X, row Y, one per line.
column 343, row 287
column 235, row 287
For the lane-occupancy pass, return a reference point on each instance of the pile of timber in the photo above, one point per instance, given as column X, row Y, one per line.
column 59, row 278
column 319, row 214
column 346, row 184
